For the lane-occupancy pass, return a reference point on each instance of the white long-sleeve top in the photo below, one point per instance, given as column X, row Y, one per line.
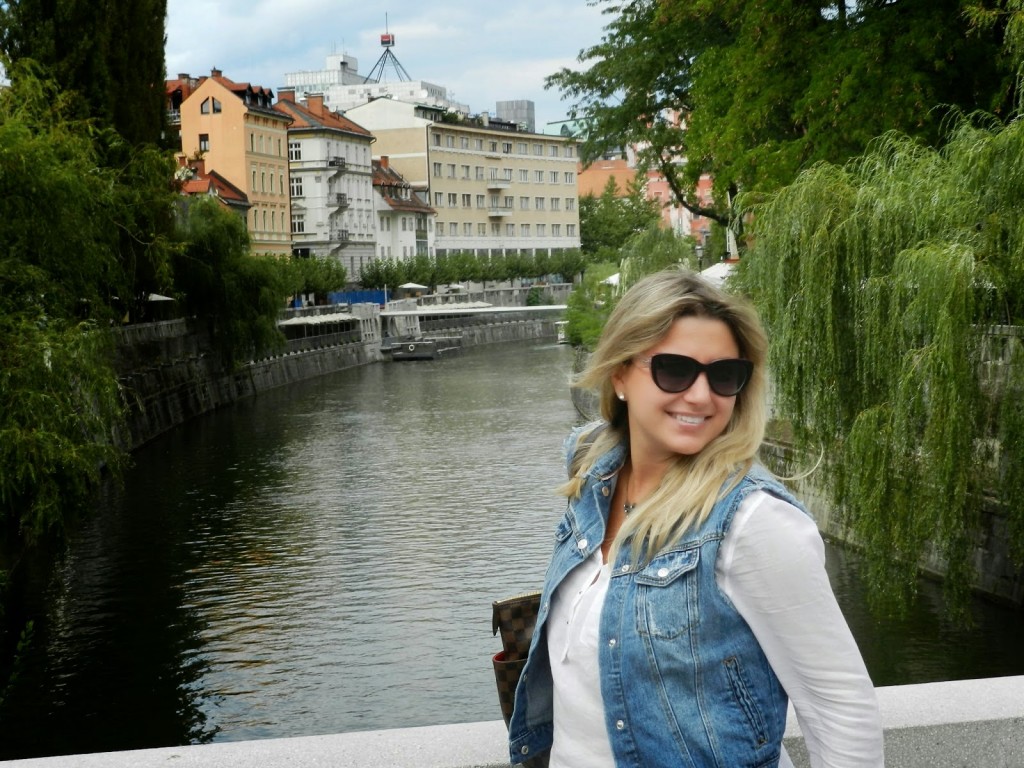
column 771, row 564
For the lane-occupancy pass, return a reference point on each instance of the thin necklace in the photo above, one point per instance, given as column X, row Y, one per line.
column 627, row 507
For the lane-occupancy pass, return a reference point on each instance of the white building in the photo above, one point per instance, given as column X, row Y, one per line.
column 343, row 87
column 331, row 184
column 405, row 223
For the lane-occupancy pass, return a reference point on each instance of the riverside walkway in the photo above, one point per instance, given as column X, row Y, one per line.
column 952, row 724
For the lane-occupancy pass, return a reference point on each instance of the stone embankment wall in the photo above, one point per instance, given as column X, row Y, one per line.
column 171, row 373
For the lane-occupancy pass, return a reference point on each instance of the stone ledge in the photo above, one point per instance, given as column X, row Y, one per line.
column 961, row 723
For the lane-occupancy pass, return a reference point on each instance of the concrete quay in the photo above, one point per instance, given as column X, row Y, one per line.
column 952, row 724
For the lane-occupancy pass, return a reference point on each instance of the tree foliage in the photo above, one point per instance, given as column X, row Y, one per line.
column 752, row 93
column 889, row 287
column 109, row 58
column 238, row 294
column 461, row 267
column 608, row 220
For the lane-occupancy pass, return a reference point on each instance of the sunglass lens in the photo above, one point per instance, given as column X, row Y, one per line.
column 673, row 373
column 727, row 377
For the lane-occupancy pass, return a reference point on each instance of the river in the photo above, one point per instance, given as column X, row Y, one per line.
column 322, row 559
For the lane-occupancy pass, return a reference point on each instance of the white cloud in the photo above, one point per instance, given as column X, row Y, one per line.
column 483, row 52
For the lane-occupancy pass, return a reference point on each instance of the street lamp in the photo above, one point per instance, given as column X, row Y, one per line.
column 699, row 250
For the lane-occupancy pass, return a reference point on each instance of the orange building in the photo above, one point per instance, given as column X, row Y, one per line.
column 235, row 129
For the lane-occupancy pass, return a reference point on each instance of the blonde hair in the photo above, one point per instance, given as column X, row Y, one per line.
column 690, row 488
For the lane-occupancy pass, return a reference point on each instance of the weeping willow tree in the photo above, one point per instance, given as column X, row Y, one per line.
column 893, row 292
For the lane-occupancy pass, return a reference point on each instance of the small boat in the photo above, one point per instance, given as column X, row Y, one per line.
column 425, row 348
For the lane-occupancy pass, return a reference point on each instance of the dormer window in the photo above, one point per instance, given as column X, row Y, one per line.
column 210, row 104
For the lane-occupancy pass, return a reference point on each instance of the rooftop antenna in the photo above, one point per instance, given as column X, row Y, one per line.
column 387, row 59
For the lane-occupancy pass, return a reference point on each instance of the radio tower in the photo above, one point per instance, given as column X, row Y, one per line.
column 387, row 59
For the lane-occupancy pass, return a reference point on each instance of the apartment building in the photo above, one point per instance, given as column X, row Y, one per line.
column 495, row 188
column 331, row 183
column 239, row 135
column 405, row 223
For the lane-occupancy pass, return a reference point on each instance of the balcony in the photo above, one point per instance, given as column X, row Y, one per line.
column 498, row 183
column 341, row 236
column 338, row 162
column 340, row 200
column 498, row 210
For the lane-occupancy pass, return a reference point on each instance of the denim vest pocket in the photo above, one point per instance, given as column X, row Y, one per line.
column 666, row 594
column 743, row 698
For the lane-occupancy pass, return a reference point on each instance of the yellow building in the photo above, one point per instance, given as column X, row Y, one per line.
column 496, row 189
column 239, row 134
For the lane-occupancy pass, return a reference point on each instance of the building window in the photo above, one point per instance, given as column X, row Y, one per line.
column 553, row 175
column 570, row 177
column 453, row 199
column 510, row 230
column 541, row 230
column 538, row 149
column 570, row 230
column 556, row 230
column 510, row 202
column 481, row 201
column 493, row 146
column 453, row 229
column 569, row 150
column 465, row 171
column 263, row 181
column 204, row 108
column 522, row 148
column 524, row 230
column 294, row 150
column 538, row 177
column 296, row 186
column 506, row 147
column 538, row 203
column 478, row 144
column 556, row 203
column 467, row 201
column 463, row 142
column 467, row 229
column 524, row 175
column 439, row 199
column 437, row 139
column 524, row 203
column 478, row 172
column 451, row 170
column 204, row 142
column 437, row 170
column 495, row 228
column 481, row 230
column 553, row 150
column 570, row 203
column 449, row 141
column 506, row 174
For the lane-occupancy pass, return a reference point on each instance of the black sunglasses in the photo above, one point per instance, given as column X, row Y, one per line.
column 676, row 373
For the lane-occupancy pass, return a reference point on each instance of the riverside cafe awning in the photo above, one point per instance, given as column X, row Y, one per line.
column 302, row 326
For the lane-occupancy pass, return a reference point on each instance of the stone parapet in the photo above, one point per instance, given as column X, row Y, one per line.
column 961, row 723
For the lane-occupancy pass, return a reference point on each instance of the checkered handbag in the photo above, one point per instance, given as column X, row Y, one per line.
column 514, row 617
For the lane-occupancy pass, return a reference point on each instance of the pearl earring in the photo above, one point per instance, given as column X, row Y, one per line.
column 621, row 396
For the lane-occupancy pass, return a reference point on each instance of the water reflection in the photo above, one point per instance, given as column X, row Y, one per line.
column 323, row 559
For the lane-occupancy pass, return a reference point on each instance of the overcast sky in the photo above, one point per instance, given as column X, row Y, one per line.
column 482, row 51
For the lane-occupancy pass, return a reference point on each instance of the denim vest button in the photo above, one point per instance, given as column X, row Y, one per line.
column 582, row 544
column 525, row 750
column 619, row 724
column 625, row 568
column 611, row 643
column 662, row 573
column 605, row 491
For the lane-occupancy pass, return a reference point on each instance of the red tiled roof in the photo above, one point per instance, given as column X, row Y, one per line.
column 306, row 117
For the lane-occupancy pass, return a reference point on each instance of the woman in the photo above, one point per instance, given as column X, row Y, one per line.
column 686, row 601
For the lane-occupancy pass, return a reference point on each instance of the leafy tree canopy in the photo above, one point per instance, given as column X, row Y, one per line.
column 752, row 93
column 609, row 220
column 893, row 290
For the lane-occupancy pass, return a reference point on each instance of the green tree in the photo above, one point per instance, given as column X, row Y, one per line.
column 609, row 220
column 110, row 57
column 751, row 93
column 893, row 291
column 238, row 295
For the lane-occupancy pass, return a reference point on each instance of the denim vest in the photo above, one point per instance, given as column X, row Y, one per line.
column 683, row 679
